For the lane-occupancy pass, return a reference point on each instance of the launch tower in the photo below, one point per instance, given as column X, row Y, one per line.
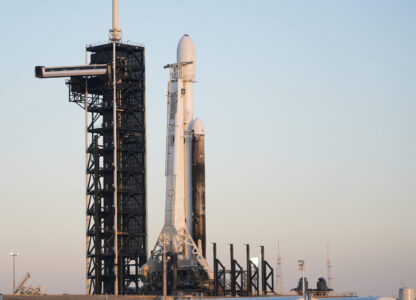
column 95, row 95
column 111, row 90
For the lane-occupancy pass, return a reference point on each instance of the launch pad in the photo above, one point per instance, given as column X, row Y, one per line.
column 111, row 90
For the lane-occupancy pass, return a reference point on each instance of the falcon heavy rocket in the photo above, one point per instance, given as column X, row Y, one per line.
column 180, row 248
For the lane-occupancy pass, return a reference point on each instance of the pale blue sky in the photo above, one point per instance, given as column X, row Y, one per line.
column 309, row 109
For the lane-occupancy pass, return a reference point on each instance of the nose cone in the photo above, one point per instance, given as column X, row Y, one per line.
column 197, row 127
column 186, row 53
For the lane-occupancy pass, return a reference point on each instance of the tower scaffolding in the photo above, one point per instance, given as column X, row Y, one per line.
column 111, row 90
column 116, row 188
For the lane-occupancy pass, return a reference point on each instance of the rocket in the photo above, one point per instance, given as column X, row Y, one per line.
column 183, row 236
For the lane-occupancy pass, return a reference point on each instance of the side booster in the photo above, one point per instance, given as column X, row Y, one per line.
column 195, row 144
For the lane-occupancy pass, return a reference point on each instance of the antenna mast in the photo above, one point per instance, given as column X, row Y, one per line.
column 279, row 275
column 115, row 37
column 115, row 32
column 329, row 266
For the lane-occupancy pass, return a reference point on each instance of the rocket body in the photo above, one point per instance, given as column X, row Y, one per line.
column 183, row 234
column 180, row 114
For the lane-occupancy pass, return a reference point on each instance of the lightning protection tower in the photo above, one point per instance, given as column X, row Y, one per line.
column 279, row 275
column 329, row 268
column 111, row 90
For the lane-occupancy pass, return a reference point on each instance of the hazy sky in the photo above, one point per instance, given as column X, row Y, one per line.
column 309, row 110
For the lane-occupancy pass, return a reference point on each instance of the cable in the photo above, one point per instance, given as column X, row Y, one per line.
column 20, row 17
column 52, row 112
column 51, row 38
column 31, row 118
column 353, row 141
column 331, row 40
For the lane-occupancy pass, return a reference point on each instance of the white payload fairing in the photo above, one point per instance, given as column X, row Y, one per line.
column 183, row 234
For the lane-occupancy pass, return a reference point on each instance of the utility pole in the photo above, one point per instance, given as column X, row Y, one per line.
column 115, row 38
column 279, row 275
column 301, row 264
column 329, row 266
column 249, row 284
column 233, row 279
column 263, row 272
column 14, row 270
column 214, row 253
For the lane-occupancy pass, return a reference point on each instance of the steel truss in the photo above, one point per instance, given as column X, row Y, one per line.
column 95, row 95
column 267, row 281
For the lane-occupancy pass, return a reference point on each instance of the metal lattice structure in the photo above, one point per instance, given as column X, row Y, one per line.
column 267, row 280
column 114, row 253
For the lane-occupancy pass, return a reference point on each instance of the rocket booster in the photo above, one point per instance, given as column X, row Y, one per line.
column 197, row 145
